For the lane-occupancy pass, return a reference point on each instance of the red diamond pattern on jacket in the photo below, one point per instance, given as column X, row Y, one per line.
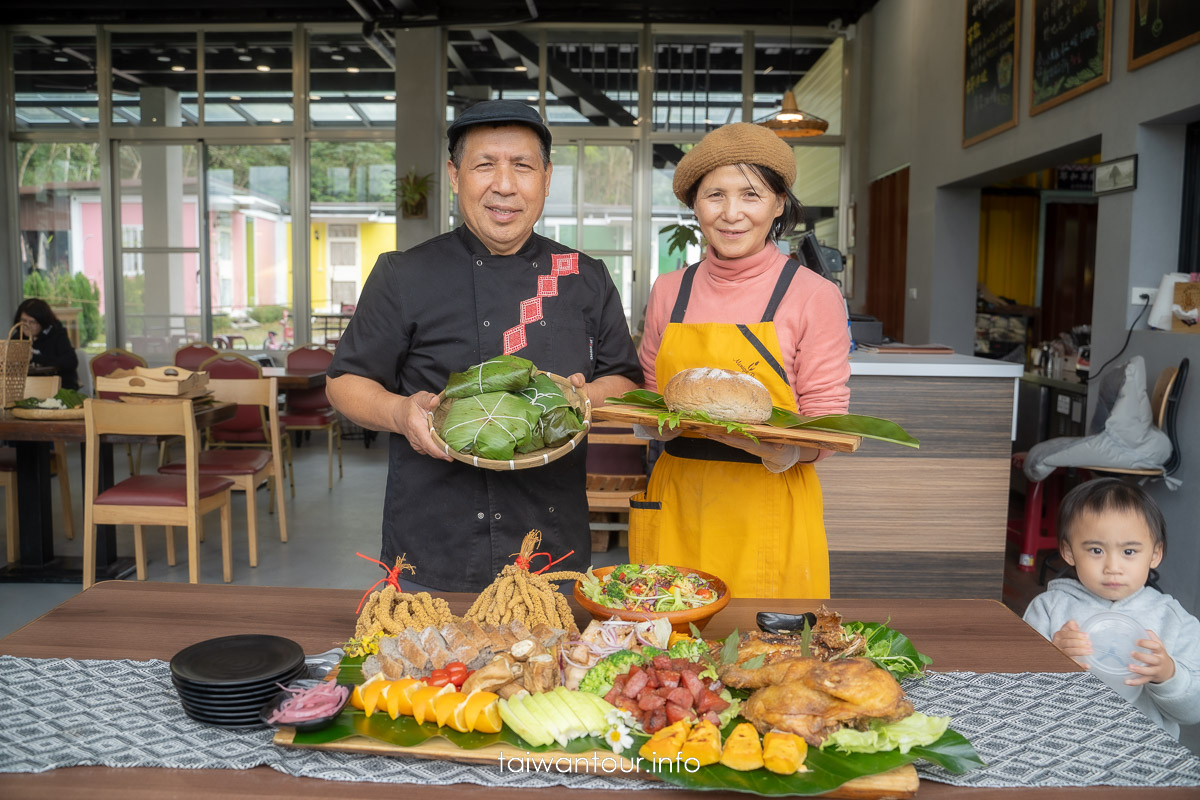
column 531, row 310
column 547, row 285
column 514, row 339
column 565, row 264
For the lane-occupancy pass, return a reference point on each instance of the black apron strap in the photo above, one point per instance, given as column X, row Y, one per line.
column 764, row 352
column 781, row 287
column 685, row 294
column 708, row 450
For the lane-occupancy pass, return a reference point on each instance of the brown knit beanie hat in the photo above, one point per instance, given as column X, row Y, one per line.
column 738, row 143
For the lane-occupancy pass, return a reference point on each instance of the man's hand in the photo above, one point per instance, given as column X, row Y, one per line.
column 1153, row 667
column 601, row 388
column 1073, row 641
column 411, row 420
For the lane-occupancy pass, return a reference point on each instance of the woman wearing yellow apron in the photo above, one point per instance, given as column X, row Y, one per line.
column 750, row 513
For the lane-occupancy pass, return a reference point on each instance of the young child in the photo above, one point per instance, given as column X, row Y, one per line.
column 1113, row 534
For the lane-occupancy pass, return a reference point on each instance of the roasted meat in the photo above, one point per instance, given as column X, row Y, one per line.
column 829, row 640
column 814, row 698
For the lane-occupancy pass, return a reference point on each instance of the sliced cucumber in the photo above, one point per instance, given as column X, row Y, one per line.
column 523, row 723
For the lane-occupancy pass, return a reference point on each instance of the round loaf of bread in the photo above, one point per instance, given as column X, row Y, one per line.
column 720, row 393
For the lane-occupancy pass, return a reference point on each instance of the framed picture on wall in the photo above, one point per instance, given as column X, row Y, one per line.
column 1072, row 45
column 1118, row 175
column 991, row 53
column 1158, row 28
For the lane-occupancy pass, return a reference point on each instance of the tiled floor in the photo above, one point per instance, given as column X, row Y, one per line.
column 325, row 529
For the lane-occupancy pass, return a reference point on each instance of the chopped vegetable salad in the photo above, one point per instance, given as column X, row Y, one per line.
column 649, row 587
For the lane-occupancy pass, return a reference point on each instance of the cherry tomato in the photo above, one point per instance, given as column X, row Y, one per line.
column 457, row 672
column 439, row 677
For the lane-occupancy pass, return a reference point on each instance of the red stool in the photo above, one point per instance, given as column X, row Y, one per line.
column 1037, row 529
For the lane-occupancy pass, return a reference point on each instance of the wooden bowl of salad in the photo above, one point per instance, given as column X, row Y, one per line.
column 683, row 595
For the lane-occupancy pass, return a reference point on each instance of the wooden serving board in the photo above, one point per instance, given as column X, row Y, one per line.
column 170, row 381
column 198, row 395
column 901, row 782
column 826, row 440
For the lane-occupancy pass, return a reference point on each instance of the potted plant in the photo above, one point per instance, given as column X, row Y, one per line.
column 412, row 190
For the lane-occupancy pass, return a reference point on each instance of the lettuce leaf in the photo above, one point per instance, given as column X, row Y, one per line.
column 916, row 730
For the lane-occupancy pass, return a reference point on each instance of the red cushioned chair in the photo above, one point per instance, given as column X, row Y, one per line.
column 309, row 409
column 248, row 469
column 105, row 363
column 193, row 354
column 249, row 426
column 150, row 499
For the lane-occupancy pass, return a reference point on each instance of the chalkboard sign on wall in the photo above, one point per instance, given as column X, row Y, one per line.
column 1072, row 42
column 1158, row 28
column 990, row 59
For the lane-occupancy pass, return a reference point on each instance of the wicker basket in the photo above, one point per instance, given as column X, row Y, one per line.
column 534, row 458
column 48, row 413
column 14, row 365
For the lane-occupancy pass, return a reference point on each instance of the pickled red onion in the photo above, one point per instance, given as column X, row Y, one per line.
column 315, row 702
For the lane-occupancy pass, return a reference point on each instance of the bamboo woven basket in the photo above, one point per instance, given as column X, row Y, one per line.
column 534, row 458
column 47, row 413
column 14, row 365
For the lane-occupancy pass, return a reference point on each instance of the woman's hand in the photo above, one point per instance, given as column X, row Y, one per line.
column 1073, row 641
column 412, row 422
column 1153, row 667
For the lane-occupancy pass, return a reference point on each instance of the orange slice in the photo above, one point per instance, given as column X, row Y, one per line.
column 445, row 706
column 422, row 702
column 476, row 703
column 399, row 697
column 370, row 696
column 356, row 699
column 488, row 720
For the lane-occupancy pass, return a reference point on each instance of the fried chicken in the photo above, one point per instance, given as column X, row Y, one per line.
column 813, row 698
column 828, row 641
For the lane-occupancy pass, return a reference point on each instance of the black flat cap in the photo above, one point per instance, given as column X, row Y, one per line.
column 498, row 112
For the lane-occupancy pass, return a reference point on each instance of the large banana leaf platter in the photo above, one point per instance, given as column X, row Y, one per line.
column 828, row 769
column 649, row 408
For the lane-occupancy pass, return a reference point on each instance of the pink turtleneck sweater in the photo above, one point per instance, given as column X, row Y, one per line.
column 810, row 322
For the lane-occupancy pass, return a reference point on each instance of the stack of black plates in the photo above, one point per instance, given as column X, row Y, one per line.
column 226, row 681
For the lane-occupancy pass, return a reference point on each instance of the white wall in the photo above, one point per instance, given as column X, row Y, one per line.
column 915, row 113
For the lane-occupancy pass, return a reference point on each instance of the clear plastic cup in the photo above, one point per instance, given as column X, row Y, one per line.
column 1114, row 638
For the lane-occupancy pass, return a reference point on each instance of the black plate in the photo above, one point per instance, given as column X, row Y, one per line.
column 261, row 690
column 246, row 658
column 251, row 722
column 248, row 716
column 308, row 725
column 776, row 622
column 238, row 707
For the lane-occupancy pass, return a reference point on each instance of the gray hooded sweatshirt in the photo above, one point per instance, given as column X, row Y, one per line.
column 1170, row 704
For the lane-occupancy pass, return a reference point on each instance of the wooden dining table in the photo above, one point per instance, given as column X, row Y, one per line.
column 140, row 621
column 31, row 439
column 287, row 378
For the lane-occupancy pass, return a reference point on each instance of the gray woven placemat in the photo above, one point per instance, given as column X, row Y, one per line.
column 1033, row 729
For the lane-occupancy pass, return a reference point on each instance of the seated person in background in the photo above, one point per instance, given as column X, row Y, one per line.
column 51, row 344
column 1113, row 534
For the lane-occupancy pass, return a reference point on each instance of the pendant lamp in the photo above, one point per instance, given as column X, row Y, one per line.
column 792, row 123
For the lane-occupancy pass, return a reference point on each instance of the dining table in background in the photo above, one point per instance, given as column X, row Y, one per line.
column 287, row 378
column 140, row 621
column 31, row 439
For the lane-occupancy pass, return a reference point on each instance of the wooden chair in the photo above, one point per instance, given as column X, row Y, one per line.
column 616, row 471
column 309, row 409
column 151, row 499
column 1038, row 527
column 248, row 469
column 112, row 359
column 249, row 426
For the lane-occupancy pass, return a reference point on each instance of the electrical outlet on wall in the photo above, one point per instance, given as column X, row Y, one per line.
column 1135, row 295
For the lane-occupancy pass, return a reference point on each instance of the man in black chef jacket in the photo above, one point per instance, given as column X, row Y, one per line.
column 492, row 286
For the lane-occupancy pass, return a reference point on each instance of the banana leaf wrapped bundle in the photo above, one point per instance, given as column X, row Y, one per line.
column 559, row 421
column 491, row 425
column 503, row 373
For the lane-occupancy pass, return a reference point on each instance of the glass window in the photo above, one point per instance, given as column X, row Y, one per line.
column 352, row 197
column 350, row 85
column 54, row 78
column 697, row 82
column 249, row 228
column 811, row 68
column 591, row 78
column 154, row 79
column 160, row 257
column 61, row 233
column 668, row 215
column 248, row 78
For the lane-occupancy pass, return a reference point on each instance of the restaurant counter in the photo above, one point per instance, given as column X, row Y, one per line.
column 928, row 522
